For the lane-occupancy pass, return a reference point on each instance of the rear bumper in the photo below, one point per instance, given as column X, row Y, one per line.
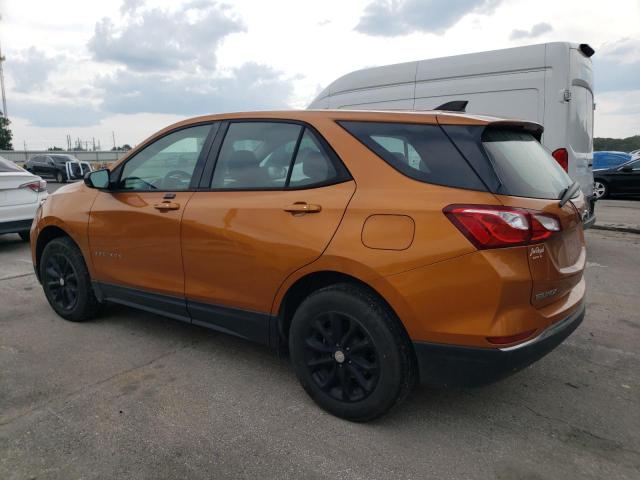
column 458, row 366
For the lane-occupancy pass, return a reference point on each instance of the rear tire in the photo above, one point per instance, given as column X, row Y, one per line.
column 350, row 353
column 600, row 189
column 66, row 281
column 25, row 236
column 60, row 177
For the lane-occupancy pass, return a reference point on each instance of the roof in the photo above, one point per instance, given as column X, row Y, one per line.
column 427, row 117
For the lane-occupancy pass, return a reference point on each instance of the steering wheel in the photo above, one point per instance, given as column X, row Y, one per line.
column 175, row 178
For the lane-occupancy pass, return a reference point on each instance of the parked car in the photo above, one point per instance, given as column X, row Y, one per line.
column 621, row 180
column 604, row 160
column 339, row 236
column 548, row 83
column 20, row 194
column 61, row 167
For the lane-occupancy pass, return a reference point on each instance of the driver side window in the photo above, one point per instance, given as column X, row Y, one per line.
column 167, row 164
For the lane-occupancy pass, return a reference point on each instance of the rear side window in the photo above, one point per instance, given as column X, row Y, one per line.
column 422, row 152
column 274, row 156
column 524, row 167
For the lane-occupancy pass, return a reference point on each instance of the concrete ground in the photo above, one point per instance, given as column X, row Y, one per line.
column 618, row 214
column 134, row 395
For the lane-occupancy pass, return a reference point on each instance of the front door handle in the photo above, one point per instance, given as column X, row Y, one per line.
column 302, row 207
column 166, row 206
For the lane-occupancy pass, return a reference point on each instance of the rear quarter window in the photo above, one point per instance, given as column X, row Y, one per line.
column 8, row 166
column 421, row 152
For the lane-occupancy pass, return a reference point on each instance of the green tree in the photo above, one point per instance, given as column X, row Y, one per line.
column 55, row 149
column 617, row 144
column 5, row 134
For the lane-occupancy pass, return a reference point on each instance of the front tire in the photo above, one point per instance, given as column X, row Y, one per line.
column 350, row 353
column 60, row 177
column 66, row 281
column 600, row 189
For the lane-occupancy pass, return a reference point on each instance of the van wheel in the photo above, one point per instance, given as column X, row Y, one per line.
column 66, row 281
column 350, row 353
column 60, row 177
column 600, row 189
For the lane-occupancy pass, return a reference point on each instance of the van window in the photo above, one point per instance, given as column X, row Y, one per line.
column 523, row 166
column 421, row 152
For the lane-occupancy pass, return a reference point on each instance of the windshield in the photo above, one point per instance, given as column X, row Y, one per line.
column 524, row 167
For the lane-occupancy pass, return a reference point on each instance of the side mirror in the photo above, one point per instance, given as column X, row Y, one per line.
column 98, row 179
column 626, row 169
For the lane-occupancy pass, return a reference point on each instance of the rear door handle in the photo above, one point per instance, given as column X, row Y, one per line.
column 166, row 206
column 302, row 207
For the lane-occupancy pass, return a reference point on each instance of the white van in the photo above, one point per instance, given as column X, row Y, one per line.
column 550, row 83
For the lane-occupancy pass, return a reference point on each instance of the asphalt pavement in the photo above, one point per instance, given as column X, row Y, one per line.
column 134, row 395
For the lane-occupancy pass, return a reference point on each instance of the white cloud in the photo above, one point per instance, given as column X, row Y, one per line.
column 537, row 30
column 389, row 18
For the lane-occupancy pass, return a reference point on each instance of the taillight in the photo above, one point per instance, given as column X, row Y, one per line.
column 562, row 157
column 36, row 186
column 495, row 226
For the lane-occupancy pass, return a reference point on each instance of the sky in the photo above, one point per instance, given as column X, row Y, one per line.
column 124, row 69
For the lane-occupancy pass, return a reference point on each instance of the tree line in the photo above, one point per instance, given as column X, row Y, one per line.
column 618, row 144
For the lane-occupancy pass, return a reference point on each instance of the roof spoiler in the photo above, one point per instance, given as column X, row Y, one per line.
column 454, row 106
column 533, row 128
column 586, row 50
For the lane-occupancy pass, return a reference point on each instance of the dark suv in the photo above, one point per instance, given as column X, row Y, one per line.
column 51, row 166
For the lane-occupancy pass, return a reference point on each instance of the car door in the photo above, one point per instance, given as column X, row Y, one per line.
column 36, row 165
column 134, row 228
column 273, row 196
column 48, row 166
column 628, row 178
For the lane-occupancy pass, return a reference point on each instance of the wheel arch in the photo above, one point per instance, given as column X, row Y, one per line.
column 48, row 233
column 306, row 284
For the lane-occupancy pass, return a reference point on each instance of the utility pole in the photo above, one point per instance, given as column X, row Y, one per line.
column 113, row 135
column 4, row 98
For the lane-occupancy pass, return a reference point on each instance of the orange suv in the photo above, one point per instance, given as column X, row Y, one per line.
column 378, row 248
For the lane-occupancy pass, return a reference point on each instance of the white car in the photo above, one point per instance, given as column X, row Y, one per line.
column 21, row 193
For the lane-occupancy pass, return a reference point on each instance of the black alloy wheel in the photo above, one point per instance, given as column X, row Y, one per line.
column 61, row 280
column 66, row 280
column 341, row 357
column 350, row 352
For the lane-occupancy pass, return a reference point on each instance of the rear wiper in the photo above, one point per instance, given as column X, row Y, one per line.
column 569, row 193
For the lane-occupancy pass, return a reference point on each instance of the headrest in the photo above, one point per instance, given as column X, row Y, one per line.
column 315, row 166
column 241, row 159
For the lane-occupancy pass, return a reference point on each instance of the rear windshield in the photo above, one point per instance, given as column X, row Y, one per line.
column 421, row 152
column 523, row 166
column 7, row 166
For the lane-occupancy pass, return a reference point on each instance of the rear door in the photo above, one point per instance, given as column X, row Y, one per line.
column 531, row 179
column 273, row 195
